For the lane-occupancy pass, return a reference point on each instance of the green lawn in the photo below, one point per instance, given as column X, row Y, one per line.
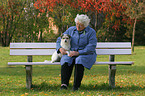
column 130, row 80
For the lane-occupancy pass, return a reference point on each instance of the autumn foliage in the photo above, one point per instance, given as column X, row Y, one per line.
column 10, row 12
column 109, row 18
column 112, row 9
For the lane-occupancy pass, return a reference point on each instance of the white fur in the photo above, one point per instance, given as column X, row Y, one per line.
column 65, row 43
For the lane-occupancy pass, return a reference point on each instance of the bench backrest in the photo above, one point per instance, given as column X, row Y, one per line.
column 103, row 48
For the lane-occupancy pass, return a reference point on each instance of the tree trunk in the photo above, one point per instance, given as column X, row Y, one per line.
column 133, row 35
column 96, row 18
column 41, row 38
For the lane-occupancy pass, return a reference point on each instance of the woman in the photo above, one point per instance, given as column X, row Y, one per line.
column 82, row 54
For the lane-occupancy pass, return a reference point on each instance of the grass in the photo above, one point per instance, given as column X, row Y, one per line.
column 130, row 80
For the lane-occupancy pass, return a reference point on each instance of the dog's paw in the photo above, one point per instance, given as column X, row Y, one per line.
column 52, row 61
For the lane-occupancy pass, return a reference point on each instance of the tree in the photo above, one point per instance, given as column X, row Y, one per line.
column 114, row 17
column 67, row 8
column 135, row 9
column 35, row 23
column 115, row 12
column 59, row 10
column 10, row 13
column 21, row 22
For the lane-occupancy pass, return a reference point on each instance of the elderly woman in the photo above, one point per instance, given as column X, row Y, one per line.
column 82, row 54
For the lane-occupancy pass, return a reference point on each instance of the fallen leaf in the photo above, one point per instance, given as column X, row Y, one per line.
column 82, row 92
column 121, row 94
column 114, row 93
column 26, row 94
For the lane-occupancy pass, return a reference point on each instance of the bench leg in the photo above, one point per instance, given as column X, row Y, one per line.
column 28, row 76
column 112, row 71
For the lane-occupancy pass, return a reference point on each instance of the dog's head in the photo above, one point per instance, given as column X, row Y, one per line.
column 65, row 38
column 65, row 41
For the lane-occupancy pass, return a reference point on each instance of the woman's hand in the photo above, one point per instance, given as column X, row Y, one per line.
column 62, row 51
column 73, row 53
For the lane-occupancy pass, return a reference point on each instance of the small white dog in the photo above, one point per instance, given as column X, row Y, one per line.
column 65, row 43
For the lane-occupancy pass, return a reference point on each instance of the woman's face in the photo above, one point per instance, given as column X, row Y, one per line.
column 80, row 26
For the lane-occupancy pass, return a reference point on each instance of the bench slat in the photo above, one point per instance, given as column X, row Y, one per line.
column 113, row 51
column 115, row 63
column 32, row 51
column 51, row 51
column 33, row 45
column 53, row 45
column 33, row 63
column 58, row 63
column 113, row 45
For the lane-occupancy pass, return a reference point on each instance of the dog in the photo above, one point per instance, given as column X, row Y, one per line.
column 65, row 43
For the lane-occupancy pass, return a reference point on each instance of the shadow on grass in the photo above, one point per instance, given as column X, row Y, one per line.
column 102, row 87
column 106, row 86
column 45, row 87
column 19, row 71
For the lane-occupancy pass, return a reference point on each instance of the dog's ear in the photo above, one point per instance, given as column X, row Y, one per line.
column 65, row 34
column 69, row 36
column 62, row 35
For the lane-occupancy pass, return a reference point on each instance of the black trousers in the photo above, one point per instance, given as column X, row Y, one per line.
column 66, row 72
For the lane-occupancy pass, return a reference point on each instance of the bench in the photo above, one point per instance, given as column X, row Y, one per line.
column 103, row 48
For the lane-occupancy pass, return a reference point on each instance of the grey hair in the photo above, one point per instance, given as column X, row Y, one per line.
column 83, row 19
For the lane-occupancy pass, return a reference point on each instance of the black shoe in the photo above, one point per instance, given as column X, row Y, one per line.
column 75, row 88
column 63, row 87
